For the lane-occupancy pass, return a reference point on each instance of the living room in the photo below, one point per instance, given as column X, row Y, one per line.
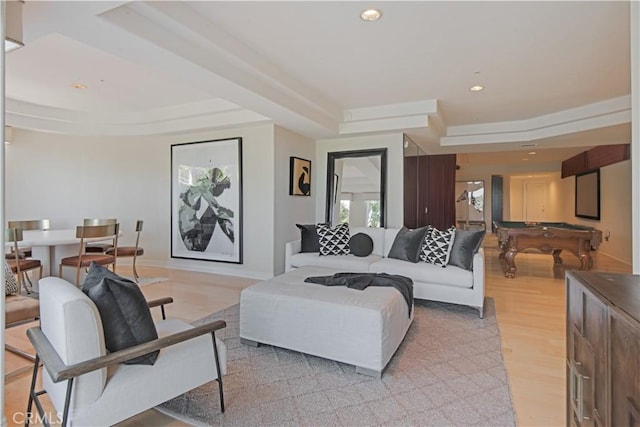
column 82, row 155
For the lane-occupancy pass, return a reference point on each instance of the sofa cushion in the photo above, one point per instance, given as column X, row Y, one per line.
column 308, row 237
column 465, row 245
column 437, row 245
column 361, row 245
column 348, row 263
column 425, row 272
column 407, row 244
column 333, row 241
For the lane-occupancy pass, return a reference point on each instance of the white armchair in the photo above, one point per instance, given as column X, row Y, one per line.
column 90, row 387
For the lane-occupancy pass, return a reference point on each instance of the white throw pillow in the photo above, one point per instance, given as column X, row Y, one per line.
column 10, row 284
column 333, row 241
column 437, row 245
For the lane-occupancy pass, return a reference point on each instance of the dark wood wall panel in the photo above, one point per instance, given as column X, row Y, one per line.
column 423, row 191
column 595, row 158
column 574, row 165
column 411, row 191
column 429, row 191
column 441, row 201
column 607, row 155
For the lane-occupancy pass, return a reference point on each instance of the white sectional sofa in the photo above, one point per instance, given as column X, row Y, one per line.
column 449, row 284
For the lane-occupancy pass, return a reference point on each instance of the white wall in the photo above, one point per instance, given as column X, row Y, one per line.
column 291, row 210
column 553, row 197
column 394, row 189
column 67, row 178
column 615, row 209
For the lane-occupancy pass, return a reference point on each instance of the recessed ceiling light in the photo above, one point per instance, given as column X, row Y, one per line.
column 370, row 15
column 78, row 86
column 476, row 88
column 525, row 159
column 532, row 152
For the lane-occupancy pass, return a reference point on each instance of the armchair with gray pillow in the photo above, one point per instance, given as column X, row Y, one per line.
column 90, row 385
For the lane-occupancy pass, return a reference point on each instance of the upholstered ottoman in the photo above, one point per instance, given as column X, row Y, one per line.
column 361, row 328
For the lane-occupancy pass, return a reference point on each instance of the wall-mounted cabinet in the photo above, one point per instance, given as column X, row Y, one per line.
column 595, row 158
column 429, row 188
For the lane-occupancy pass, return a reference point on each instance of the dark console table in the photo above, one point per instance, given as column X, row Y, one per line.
column 603, row 349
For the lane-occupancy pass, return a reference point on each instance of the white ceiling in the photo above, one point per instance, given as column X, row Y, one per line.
column 557, row 74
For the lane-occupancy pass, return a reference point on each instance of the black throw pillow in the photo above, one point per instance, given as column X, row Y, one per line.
column 407, row 244
column 97, row 272
column 309, row 238
column 361, row 245
column 126, row 318
column 465, row 246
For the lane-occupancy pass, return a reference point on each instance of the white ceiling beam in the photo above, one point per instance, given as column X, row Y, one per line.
column 608, row 112
column 602, row 114
column 176, row 27
column 428, row 107
column 384, row 125
column 592, row 123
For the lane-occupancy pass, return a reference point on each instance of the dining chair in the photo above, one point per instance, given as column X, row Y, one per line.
column 31, row 224
column 83, row 259
column 20, row 266
column 18, row 310
column 98, row 247
column 130, row 251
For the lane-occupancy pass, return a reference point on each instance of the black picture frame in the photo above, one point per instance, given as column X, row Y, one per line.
column 206, row 200
column 332, row 180
column 299, row 177
column 587, row 195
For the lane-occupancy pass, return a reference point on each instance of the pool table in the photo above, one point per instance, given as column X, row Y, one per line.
column 547, row 237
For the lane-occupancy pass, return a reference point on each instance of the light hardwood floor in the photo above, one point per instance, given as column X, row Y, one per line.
column 530, row 310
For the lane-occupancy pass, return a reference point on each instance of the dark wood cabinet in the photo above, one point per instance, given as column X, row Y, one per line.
column 429, row 191
column 574, row 165
column 603, row 349
column 411, row 191
column 595, row 158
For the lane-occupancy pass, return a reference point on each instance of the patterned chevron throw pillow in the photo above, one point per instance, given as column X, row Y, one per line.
column 333, row 241
column 437, row 245
column 10, row 284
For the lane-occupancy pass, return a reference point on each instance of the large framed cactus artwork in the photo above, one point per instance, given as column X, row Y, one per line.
column 206, row 200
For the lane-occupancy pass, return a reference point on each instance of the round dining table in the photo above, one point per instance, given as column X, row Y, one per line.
column 50, row 246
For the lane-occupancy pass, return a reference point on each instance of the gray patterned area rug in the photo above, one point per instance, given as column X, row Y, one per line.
column 448, row 371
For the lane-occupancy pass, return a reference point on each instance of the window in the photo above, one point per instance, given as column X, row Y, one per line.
column 373, row 213
column 344, row 210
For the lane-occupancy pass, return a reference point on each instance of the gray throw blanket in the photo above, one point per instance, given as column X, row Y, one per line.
column 361, row 281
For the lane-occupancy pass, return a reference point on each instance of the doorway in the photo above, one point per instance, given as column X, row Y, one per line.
column 534, row 201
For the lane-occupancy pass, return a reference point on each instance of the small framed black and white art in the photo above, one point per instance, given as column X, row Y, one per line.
column 299, row 177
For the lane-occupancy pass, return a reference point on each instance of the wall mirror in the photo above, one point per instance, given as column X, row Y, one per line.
column 470, row 205
column 356, row 182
